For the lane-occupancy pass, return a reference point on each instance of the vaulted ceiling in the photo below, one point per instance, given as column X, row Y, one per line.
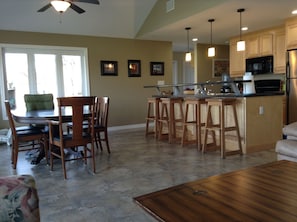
column 148, row 19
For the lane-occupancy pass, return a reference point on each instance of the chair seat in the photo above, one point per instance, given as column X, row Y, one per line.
column 99, row 127
column 70, row 137
column 20, row 128
column 28, row 132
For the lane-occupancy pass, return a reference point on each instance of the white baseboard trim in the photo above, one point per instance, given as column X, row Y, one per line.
column 125, row 127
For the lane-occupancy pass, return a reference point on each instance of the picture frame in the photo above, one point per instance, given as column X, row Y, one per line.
column 134, row 68
column 220, row 66
column 109, row 68
column 157, row 68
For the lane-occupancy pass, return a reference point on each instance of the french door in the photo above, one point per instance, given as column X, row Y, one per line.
column 39, row 70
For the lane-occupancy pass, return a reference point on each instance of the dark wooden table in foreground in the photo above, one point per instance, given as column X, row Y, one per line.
column 263, row 193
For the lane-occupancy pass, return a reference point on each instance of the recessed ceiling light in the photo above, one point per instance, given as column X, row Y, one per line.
column 194, row 39
column 244, row 28
column 294, row 12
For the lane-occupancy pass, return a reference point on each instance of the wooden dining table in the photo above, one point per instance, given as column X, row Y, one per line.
column 42, row 116
column 263, row 193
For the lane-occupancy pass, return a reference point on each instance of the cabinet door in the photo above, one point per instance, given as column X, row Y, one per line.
column 252, row 47
column 291, row 30
column 266, row 44
column 280, row 53
column 237, row 60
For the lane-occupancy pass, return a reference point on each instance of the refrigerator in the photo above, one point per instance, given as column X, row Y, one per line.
column 291, row 85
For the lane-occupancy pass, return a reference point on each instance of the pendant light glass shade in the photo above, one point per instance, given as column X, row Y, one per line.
column 60, row 6
column 240, row 43
column 188, row 56
column 211, row 50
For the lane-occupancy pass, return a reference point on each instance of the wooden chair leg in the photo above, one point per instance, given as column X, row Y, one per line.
column 106, row 140
column 63, row 162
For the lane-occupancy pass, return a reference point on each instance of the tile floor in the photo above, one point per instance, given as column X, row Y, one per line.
column 136, row 166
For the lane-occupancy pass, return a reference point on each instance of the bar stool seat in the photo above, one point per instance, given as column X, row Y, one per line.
column 193, row 121
column 222, row 103
column 169, row 117
column 152, row 116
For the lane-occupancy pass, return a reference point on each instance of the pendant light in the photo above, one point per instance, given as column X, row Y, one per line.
column 240, row 43
column 211, row 49
column 60, row 5
column 188, row 57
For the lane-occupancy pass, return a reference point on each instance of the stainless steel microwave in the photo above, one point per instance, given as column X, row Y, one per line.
column 259, row 65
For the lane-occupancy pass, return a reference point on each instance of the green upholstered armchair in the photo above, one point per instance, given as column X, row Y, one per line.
column 39, row 101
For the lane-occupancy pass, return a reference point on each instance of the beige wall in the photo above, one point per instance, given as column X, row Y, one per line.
column 204, row 63
column 128, row 96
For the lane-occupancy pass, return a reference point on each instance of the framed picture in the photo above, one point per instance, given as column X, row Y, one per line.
column 220, row 66
column 109, row 68
column 157, row 68
column 134, row 68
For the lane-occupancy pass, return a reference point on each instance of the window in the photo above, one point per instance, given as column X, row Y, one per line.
column 36, row 69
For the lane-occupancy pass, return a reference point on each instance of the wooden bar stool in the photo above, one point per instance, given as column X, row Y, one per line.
column 152, row 116
column 221, row 103
column 169, row 116
column 193, row 121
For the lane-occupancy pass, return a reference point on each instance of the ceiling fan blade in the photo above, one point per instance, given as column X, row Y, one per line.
column 88, row 1
column 76, row 8
column 45, row 8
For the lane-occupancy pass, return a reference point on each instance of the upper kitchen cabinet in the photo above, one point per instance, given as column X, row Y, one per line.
column 280, row 51
column 269, row 42
column 260, row 44
column 291, row 33
column 237, row 59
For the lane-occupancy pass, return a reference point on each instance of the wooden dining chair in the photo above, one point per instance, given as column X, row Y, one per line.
column 39, row 101
column 24, row 138
column 101, row 122
column 36, row 102
column 86, row 122
column 78, row 137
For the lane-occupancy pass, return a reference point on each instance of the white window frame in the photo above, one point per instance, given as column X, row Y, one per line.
column 58, row 51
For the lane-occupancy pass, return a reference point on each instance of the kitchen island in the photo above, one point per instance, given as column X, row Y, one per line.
column 260, row 118
column 260, row 115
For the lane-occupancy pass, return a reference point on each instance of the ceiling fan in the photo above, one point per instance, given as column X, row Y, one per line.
column 63, row 5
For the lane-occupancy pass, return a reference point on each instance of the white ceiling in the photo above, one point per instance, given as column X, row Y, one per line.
column 124, row 18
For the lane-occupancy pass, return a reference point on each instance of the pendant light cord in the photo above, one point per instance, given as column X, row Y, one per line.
column 188, row 28
column 240, row 21
column 211, row 21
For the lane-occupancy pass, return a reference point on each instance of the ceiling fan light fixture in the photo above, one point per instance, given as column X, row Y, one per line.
column 60, row 5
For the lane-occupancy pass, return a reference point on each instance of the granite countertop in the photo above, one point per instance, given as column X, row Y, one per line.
column 222, row 95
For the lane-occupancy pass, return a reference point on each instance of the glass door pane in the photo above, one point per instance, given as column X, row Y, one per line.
column 46, row 74
column 72, row 74
column 16, row 66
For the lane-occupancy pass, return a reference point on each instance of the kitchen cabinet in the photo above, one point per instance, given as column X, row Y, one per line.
column 259, row 45
column 237, row 59
column 291, row 33
column 252, row 46
column 280, row 52
column 268, row 42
